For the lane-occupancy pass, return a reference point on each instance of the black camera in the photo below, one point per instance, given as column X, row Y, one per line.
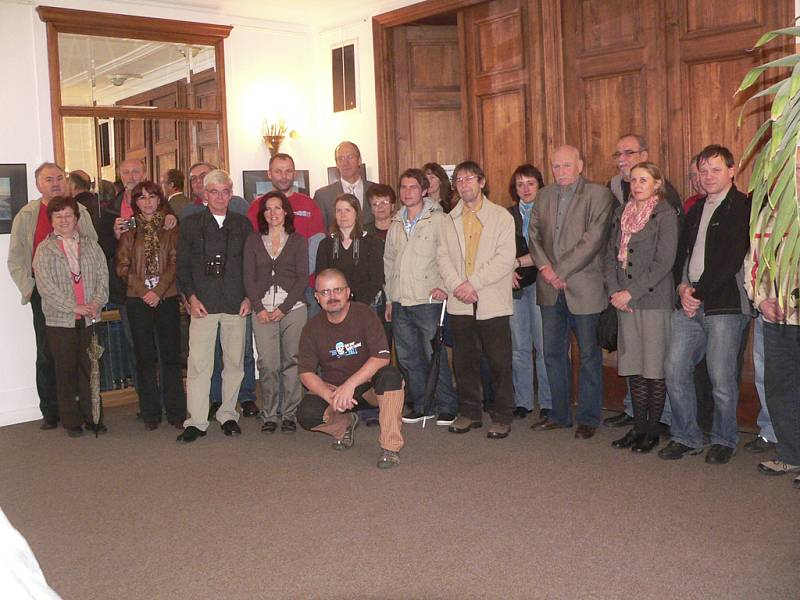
column 215, row 267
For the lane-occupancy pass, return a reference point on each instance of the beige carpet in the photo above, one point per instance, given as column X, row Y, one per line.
column 538, row 515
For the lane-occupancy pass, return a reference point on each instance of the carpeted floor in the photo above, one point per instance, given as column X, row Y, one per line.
column 133, row 515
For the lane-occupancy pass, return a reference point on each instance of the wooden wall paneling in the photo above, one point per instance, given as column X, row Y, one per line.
column 552, row 73
column 615, row 79
column 427, row 72
column 536, row 117
column 708, row 54
column 497, row 84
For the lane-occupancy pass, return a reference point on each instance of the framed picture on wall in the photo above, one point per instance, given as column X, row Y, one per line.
column 13, row 193
column 256, row 183
column 333, row 173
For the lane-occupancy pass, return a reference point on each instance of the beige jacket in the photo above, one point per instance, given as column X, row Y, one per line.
column 494, row 261
column 764, row 288
column 20, row 249
column 409, row 263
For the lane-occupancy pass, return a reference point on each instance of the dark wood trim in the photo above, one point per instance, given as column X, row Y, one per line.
column 409, row 14
column 553, row 87
column 140, row 112
column 55, row 94
column 145, row 28
column 219, row 58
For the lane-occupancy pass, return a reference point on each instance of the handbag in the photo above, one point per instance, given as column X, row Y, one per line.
column 607, row 329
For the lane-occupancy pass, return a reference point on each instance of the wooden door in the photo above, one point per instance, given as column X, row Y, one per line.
column 503, row 128
column 614, row 79
column 429, row 118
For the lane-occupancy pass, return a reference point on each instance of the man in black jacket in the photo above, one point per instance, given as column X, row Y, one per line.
column 210, row 277
column 714, row 310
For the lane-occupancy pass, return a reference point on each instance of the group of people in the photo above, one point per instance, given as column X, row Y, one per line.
column 324, row 288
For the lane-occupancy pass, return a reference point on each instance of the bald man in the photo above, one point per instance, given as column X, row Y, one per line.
column 348, row 162
column 568, row 232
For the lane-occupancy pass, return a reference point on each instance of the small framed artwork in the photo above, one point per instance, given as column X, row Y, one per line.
column 13, row 193
column 333, row 173
column 256, row 183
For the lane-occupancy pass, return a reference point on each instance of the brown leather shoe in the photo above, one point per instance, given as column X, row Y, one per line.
column 498, row 431
column 547, row 425
column 584, row 432
column 463, row 425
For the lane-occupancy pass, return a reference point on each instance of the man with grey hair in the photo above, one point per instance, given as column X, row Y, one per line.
column 29, row 228
column 247, row 391
column 568, row 233
column 210, row 276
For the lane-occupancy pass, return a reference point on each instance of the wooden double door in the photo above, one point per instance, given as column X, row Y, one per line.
column 502, row 82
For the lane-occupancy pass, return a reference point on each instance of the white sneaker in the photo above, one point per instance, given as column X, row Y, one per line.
column 445, row 419
column 777, row 467
column 416, row 417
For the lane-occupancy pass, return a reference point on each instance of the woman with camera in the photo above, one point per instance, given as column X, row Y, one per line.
column 356, row 253
column 146, row 262
column 72, row 279
column 275, row 278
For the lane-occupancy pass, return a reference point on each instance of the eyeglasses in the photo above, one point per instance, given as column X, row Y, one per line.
column 379, row 201
column 466, row 179
column 327, row 292
column 626, row 153
column 222, row 192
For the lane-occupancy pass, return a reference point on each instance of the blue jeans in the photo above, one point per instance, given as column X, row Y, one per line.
column 313, row 305
column 718, row 338
column 557, row 321
column 247, row 390
column 413, row 328
column 764, row 422
column 526, row 334
column 781, row 382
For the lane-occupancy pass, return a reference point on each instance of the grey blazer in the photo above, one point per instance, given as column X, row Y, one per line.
column 325, row 197
column 582, row 245
column 651, row 255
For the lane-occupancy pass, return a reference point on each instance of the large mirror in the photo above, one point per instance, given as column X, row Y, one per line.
column 134, row 87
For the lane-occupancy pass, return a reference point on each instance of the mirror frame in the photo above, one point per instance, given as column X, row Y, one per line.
column 63, row 20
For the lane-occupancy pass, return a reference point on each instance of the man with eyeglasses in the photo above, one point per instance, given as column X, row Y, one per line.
column 567, row 235
column 247, row 391
column 476, row 256
column 632, row 149
column 348, row 162
column 346, row 344
column 210, row 277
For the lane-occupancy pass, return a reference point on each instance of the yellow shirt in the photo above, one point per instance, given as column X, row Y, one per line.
column 472, row 235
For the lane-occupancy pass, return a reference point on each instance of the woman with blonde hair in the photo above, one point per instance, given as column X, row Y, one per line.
column 638, row 274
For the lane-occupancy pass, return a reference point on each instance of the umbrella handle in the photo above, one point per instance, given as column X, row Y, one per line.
column 444, row 309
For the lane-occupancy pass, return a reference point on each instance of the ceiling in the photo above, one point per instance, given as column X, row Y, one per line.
column 311, row 13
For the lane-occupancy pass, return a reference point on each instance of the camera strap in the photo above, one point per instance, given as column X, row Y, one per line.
column 203, row 222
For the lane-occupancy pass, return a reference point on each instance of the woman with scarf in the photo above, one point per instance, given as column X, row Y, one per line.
column 146, row 259
column 356, row 253
column 638, row 274
column 72, row 278
column 526, row 321
column 275, row 278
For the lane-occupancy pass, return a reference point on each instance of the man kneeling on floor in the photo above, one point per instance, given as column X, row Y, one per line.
column 347, row 343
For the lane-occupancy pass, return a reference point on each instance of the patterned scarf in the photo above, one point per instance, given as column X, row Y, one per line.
column 633, row 221
column 152, row 246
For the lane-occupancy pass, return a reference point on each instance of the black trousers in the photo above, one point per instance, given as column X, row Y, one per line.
column 45, row 367
column 490, row 338
column 146, row 323
column 72, row 366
